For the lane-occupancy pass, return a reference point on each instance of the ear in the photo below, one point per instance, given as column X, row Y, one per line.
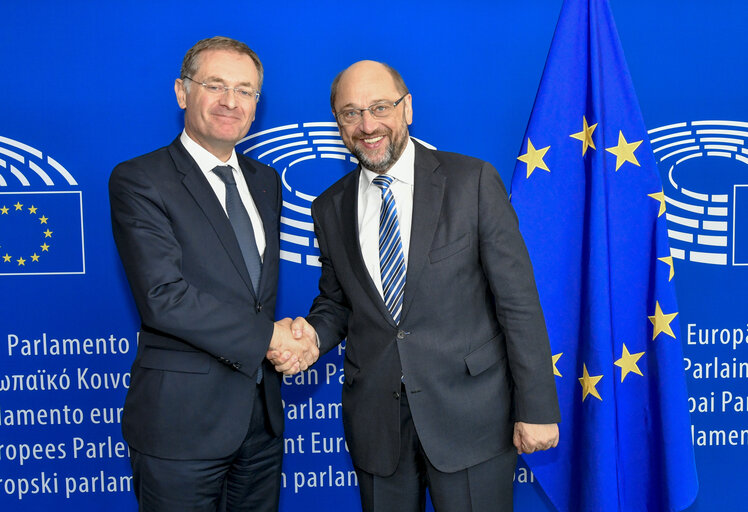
column 179, row 90
column 408, row 107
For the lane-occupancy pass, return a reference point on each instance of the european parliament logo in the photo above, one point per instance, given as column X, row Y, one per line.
column 706, row 189
column 309, row 157
column 41, row 231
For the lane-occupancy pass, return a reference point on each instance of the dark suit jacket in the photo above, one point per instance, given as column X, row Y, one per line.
column 204, row 333
column 471, row 344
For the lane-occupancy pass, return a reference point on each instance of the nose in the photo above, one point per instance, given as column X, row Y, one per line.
column 228, row 98
column 368, row 122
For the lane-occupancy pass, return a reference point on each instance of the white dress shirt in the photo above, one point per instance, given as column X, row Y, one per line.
column 370, row 203
column 207, row 161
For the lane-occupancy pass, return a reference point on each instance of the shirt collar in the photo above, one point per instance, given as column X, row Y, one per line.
column 206, row 160
column 402, row 170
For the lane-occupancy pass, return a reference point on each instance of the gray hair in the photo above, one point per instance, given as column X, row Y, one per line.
column 191, row 61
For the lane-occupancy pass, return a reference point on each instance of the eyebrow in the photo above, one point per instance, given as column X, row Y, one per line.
column 354, row 106
column 221, row 80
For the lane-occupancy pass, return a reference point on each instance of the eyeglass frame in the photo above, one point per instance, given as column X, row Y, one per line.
column 238, row 91
column 369, row 108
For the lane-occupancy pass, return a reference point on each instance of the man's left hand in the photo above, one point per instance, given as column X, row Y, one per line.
column 533, row 437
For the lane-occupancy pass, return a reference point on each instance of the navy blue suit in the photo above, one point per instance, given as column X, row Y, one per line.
column 204, row 331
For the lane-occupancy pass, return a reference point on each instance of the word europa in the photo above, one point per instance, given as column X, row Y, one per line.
column 699, row 336
column 66, row 346
column 50, row 484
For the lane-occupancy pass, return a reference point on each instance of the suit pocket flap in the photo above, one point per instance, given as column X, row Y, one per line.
column 175, row 360
column 485, row 356
column 445, row 251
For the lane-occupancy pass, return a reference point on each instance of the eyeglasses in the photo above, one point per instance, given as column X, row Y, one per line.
column 245, row 93
column 381, row 110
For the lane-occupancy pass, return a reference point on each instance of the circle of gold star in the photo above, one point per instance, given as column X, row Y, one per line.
column 21, row 261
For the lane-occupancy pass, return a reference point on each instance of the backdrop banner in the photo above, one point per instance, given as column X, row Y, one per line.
column 87, row 86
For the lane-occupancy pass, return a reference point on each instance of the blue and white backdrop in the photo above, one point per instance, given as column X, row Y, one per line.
column 87, row 85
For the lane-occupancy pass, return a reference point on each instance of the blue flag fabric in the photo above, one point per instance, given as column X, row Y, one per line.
column 589, row 198
column 41, row 233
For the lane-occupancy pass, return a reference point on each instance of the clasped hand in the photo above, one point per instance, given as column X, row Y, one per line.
column 293, row 347
column 532, row 437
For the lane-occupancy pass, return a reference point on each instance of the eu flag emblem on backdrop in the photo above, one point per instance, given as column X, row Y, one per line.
column 589, row 198
column 41, row 233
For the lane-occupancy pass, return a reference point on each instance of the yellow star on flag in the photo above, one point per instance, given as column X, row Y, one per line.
column 6, row 258
column 660, row 196
column 21, row 262
column 589, row 383
column 627, row 363
column 32, row 209
column 43, row 219
column 661, row 322
column 585, row 135
column 45, row 247
column 534, row 158
column 4, row 210
column 624, row 151
column 18, row 206
column 47, row 234
column 555, row 359
column 668, row 260
column 34, row 257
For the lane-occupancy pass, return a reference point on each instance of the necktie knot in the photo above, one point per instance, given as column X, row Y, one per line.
column 383, row 182
column 226, row 173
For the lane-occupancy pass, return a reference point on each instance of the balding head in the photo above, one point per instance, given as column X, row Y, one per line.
column 367, row 68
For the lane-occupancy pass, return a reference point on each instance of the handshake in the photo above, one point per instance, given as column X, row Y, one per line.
column 293, row 347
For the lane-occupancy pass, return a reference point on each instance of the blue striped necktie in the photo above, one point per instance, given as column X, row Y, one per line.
column 391, row 259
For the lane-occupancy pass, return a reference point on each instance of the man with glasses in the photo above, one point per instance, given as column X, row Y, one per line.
column 197, row 229
column 424, row 271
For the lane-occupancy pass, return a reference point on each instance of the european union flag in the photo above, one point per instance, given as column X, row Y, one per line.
column 41, row 233
column 589, row 198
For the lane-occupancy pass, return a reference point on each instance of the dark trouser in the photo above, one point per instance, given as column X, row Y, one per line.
column 481, row 488
column 247, row 480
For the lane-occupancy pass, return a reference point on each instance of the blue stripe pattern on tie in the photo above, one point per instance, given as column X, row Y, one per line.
column 391, row 259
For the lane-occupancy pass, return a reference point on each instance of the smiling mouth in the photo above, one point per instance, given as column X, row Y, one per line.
column 374, row 140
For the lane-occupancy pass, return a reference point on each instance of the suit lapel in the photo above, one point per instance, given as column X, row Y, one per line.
column 428, row 193
column 348, row 216
column 202, row 192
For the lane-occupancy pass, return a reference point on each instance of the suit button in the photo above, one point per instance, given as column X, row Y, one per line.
column 395, row 395
column 258, row 307
column 401, row 335
column 236, row 366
